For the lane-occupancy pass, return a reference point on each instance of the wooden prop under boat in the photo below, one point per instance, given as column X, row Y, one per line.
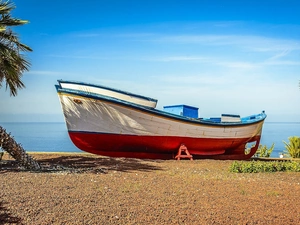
column 108, row 126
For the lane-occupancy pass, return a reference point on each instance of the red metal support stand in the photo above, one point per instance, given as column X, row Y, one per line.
column 183, row 149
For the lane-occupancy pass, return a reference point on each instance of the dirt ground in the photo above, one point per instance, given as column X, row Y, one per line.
column 88, row 189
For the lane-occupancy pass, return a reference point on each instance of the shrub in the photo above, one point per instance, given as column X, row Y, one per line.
column 263, row 151
column 293, row 147
column 260, row 166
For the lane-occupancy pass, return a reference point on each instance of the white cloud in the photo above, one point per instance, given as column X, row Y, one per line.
column 280, row 55
column 178, row 58
column 237, row 64
column 47, row 73
column 248, row 42
column 72, row 56
column 282, row 62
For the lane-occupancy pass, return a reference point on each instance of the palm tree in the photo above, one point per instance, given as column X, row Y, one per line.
column 12, row 62
column 12, row 65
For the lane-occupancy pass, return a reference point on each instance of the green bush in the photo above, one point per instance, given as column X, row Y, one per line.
column 293, row 147
column 262, row 166
column 263, row 151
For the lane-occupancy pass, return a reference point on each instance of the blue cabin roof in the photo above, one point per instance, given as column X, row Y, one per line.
column 182, row 110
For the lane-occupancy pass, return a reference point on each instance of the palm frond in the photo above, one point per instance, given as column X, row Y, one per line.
column 12, row 66
column 12, row 62
column 7, row 20
column 6, row 7
column 12, row 40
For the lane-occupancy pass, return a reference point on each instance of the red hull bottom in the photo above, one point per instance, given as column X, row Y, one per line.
column 163, row 147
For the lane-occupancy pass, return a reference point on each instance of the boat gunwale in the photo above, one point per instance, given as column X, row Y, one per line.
column 150, row 110
column 107, row 88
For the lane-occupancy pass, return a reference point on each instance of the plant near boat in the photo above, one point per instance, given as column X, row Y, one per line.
column 264, row 151
column 293, row 147
column 273, row 193
column 12, row 65
column 262, row 166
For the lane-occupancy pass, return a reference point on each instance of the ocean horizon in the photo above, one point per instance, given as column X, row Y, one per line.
column 53, row 136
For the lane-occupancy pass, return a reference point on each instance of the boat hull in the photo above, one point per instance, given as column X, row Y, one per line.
column 158, row 147
column 105, row 126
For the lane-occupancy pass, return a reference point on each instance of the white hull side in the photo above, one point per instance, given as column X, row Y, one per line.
column 107, row 117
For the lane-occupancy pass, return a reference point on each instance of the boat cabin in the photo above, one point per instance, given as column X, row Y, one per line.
column 182, row 110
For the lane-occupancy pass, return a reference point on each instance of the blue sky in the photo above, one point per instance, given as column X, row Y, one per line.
column 237, row 57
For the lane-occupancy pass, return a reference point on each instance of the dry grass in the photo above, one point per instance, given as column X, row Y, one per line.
column 90, row 189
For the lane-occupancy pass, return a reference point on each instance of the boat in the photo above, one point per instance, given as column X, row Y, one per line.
column 107, row 91
column 106, row 125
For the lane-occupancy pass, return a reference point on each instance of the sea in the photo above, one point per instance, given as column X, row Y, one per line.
column 53, row 137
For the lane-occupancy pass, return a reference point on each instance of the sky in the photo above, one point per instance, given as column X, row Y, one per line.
column 238, row 57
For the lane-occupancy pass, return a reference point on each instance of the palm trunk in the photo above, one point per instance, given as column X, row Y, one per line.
column 8, row 144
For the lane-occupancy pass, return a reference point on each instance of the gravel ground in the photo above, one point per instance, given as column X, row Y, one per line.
column 87, row 189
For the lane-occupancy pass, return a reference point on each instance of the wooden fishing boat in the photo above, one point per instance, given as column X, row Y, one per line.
column 108, row 126
column 110, row 92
